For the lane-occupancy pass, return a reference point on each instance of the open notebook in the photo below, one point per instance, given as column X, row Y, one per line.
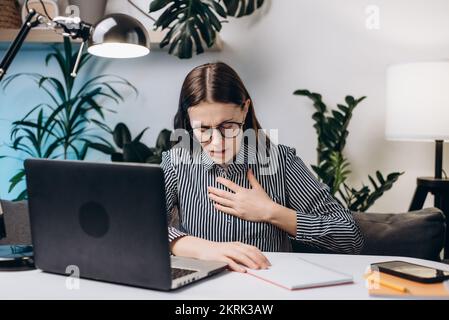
column 292, row 272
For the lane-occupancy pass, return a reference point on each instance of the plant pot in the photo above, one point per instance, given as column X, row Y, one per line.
column 90, row 11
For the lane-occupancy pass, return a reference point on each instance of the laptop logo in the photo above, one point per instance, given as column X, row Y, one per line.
column 94, row 219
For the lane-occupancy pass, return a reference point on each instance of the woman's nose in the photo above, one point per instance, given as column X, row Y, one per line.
column 217, row 138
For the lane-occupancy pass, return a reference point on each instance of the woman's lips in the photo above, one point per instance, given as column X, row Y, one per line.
column 217, row 153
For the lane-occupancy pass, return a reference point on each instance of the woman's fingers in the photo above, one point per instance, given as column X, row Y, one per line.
column 220, row 200
column 233, row 265
column 221, row 193
column 242, row 258
column 239, row 255
column 252, row 179
column 256, row 255
column 228, row 183
column 260, row 254
column 226, row 209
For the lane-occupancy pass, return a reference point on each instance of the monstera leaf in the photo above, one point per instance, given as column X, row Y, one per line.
column 239, row 8
column 194, row 24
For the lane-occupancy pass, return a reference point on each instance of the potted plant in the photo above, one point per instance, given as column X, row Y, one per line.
column 130, row 149
column 332, row 166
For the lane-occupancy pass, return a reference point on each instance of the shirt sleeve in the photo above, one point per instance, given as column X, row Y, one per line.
column 171, row 193
column 320, row 219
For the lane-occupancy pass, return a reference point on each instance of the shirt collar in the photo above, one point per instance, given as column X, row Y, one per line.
column 245, row 156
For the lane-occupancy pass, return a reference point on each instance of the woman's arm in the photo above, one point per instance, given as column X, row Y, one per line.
column 312, row 214
column 171, row 194
column 320, row 219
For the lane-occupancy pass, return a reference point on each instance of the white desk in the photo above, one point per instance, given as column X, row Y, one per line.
column 227, row 285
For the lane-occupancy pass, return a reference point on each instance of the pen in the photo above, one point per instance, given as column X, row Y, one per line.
column 378, row 280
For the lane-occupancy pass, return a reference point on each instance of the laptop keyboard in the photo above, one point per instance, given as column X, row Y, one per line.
column 178, row 273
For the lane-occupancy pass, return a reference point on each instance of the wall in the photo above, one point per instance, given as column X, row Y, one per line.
column 321, row 45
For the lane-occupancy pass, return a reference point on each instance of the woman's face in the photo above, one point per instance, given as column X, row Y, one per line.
column 230, row 119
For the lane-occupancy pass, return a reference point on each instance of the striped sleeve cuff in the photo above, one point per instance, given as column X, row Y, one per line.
column 174, row 234
column 339, row 236
column 305, row 226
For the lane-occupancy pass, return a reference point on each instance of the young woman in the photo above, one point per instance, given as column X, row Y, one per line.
column 230, row 206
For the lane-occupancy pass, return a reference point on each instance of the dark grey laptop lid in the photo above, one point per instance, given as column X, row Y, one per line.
column 108, row 220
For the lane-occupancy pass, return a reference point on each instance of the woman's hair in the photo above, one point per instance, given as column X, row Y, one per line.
column 213, row 83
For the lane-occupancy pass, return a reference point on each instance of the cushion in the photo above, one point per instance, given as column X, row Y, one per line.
column 418, row 234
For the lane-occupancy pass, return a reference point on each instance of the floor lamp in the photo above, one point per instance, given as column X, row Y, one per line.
column 418, row 110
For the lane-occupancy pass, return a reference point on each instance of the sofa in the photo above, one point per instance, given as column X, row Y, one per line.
column 418, row 234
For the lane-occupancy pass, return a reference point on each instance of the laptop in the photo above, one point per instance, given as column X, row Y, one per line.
column 108, row 221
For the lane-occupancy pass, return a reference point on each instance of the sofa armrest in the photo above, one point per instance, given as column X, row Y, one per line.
column 17, row 223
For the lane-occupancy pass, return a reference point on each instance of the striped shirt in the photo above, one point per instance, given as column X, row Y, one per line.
column 321, row 221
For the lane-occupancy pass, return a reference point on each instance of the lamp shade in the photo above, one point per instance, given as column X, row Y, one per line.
column 418, row 101
column 119, row 36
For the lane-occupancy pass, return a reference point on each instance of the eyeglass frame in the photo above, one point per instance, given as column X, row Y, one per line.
column 241, row 124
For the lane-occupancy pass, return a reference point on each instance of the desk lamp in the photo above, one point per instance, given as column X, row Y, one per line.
column 114, row 36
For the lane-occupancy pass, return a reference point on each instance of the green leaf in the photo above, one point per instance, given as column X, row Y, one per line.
column 136, row 152
column 302, row 93
column 373, row 182
column 22, row 196
column 217, row 7
column 350, row 101
column 163, row 141
column 157, row 5
column 102, row 148
column 16, row 179
column 121, row 135
column 343, row 108
column 380, row 177
column 140, row 135
column 188, row 22
column 241, row 8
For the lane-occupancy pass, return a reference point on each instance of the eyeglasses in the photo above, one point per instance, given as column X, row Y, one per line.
column 228, row 130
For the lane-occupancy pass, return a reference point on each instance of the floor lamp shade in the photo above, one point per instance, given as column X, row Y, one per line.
column 418, row 101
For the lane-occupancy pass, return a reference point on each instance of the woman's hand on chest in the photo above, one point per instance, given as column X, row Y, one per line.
column 252, row 204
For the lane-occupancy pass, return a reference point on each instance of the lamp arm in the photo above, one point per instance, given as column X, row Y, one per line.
column 72, row 27
column 6, row 62
column 18, row 41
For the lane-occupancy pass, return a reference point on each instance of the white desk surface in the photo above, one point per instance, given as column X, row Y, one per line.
column 227, row 285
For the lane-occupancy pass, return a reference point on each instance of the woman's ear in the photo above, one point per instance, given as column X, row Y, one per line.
column 246, row 106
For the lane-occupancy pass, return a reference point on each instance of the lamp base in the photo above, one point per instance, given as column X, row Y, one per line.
column 440, row 189
column 16, row 258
